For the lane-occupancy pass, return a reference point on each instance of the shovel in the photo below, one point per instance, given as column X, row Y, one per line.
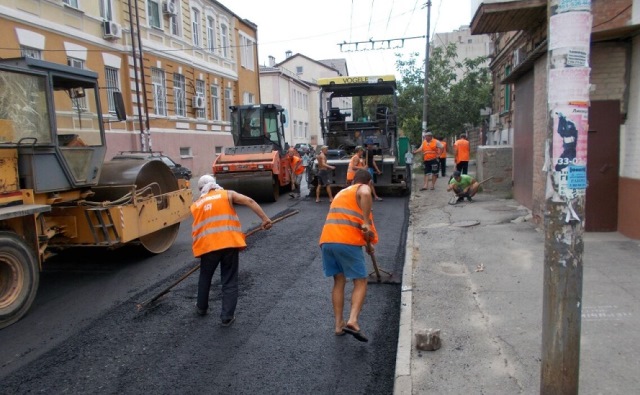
column 385, row 277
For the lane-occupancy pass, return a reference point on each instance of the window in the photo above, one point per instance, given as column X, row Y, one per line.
column 29, row 52
column 215, row 102
column 299, row 69
column 211, row 34
column 185, row 151
column 507, row 91
column 218, row 149
column 295, row 128
column 175, row 24
column 106, row 10
column 246, row 47
column 79, row 102
column 306, row 130
column 71, row 3
column 228, row 101
column 202, row 112
column 113, row 85
column 179, row 95
column 224, row 38
column 159, row 91
column 247, row 98
column 153, row 13
column 195, row 26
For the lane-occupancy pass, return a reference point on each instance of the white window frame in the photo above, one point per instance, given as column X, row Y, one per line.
column 79, row 64
column 72, row 3
column 112, row 78
column 247, row 53
column 211, row 33
column 215, row 102
column 159, row 82
column 224, row 39
column 158, row 15
column 106, row 10
column 228, row 101
column 248, row 98
column 196, row 28
column 186, row 152
column 201, row 113
column 179, row 97
column 30, row 52
column 175, row 23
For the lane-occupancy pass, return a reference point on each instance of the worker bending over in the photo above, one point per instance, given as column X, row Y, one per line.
column 463, row 185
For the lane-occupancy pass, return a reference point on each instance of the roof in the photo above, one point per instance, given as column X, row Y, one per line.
column 505, row 16
column 338, row 64
column 290, row 58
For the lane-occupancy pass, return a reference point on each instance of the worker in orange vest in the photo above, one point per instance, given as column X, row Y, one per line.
column 431, row 150
column 355, row 163
column 296, row 169
column 443, row 156
column 461, row 150
column 349, row 226
column 217, row 240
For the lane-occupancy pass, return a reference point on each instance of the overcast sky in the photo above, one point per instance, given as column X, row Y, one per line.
column 314, row 28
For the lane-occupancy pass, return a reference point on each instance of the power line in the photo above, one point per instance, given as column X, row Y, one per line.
column 375, row 45
column 389, row 17
column 370, row 16
column 411, row 17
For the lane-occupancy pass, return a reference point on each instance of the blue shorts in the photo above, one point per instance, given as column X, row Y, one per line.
column 343, row 258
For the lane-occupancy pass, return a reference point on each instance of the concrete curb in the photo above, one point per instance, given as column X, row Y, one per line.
column 402, row 381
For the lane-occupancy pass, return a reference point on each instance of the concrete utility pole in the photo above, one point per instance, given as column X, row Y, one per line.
column 569, row 36
column 426, row 68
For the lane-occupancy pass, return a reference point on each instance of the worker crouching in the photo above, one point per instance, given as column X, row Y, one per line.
column 217, row 240
column 463, row 185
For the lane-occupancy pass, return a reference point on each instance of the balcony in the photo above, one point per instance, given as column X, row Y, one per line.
column 497, row 16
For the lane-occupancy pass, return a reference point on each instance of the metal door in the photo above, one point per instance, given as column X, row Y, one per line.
column 603, row 154
column 523, row 142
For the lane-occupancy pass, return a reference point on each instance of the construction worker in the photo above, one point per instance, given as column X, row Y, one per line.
column 463, row 185
column 354, row 164
column 296, row 169
column 323, row 173
column 349, row 226
column 373, row 170
column 461, row 151
column 443, row 156
column 217, row 240
column 431, row 150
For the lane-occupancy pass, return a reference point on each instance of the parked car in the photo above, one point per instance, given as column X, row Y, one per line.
column 336, row 154
column 178, row 170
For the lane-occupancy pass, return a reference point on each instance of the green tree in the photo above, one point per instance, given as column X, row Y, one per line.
column 453, row 104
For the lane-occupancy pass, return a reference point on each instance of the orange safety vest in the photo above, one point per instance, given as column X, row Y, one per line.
column 294, row 161
column 215, row 224
column 351, row 170
column 462, row 150
column 344, row 221
column 444, row 149
column 430, row 150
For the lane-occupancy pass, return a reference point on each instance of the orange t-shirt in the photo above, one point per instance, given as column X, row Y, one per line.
column 444, row 149
column 462, row 150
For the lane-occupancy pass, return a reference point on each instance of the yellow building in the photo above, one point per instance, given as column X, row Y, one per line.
column 197, row 59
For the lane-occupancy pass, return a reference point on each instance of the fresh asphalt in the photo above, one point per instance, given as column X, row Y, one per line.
column 475, row 271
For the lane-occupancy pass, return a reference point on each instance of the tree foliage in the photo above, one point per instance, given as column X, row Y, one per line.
column 452, row 104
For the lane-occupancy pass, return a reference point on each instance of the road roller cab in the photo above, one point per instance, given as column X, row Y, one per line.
column 257, row 166
column 56, row 191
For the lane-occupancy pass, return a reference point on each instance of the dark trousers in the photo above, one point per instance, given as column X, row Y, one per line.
column 228, row 259
column 443, row 166
column 463, row 167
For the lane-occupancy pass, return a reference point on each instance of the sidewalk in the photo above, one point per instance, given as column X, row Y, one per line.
column 482, row 286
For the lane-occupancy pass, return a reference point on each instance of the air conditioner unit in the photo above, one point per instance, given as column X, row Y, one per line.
column 518, row 56
column 198, row 102
column 494, row 120
column 170, row 7
column 111, row 30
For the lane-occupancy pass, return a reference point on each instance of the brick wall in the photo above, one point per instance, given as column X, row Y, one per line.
column 610, row 14
column 539, row 138
column 495, row 161
column 608, row 72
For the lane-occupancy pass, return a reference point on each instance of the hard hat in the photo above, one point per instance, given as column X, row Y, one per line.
column 204, row 180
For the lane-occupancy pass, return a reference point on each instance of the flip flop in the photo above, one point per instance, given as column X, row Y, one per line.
column 423, row 189
column 318, row 201
column 339, row 333
column 357, row 334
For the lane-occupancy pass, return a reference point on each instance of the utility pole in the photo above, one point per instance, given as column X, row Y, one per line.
column 426, row 69
column 569, row 37
column 143, row 136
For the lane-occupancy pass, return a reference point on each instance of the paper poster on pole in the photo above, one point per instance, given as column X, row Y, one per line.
column 570, row 131
column 570, row 30
column 569, row 85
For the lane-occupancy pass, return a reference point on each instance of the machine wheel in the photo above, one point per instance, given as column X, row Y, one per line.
column 276, row 189
column 160, row 240
column 19, row 278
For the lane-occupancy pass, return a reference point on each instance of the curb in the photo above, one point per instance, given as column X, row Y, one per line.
column 402, row 381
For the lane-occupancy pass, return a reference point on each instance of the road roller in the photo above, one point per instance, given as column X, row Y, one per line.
column 56, row 191
column 257, row 166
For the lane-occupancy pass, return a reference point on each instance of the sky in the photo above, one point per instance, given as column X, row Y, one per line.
column 314, row 28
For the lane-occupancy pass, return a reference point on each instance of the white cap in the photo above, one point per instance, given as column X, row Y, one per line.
column 204, row 180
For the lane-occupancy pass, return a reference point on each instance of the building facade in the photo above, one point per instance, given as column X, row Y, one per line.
column 197, row 58
column 519, row 67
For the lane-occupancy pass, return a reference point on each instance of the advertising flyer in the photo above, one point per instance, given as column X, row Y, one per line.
column 570, row 131
column 569, row 85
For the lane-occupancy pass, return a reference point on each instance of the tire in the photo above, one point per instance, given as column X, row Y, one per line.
column 276, row 189
column 19, row 278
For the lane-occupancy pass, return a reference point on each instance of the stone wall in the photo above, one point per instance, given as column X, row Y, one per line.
column 495, row 161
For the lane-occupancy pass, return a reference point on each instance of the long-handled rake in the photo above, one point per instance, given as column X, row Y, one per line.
column 165, row 291
column 454, row 198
